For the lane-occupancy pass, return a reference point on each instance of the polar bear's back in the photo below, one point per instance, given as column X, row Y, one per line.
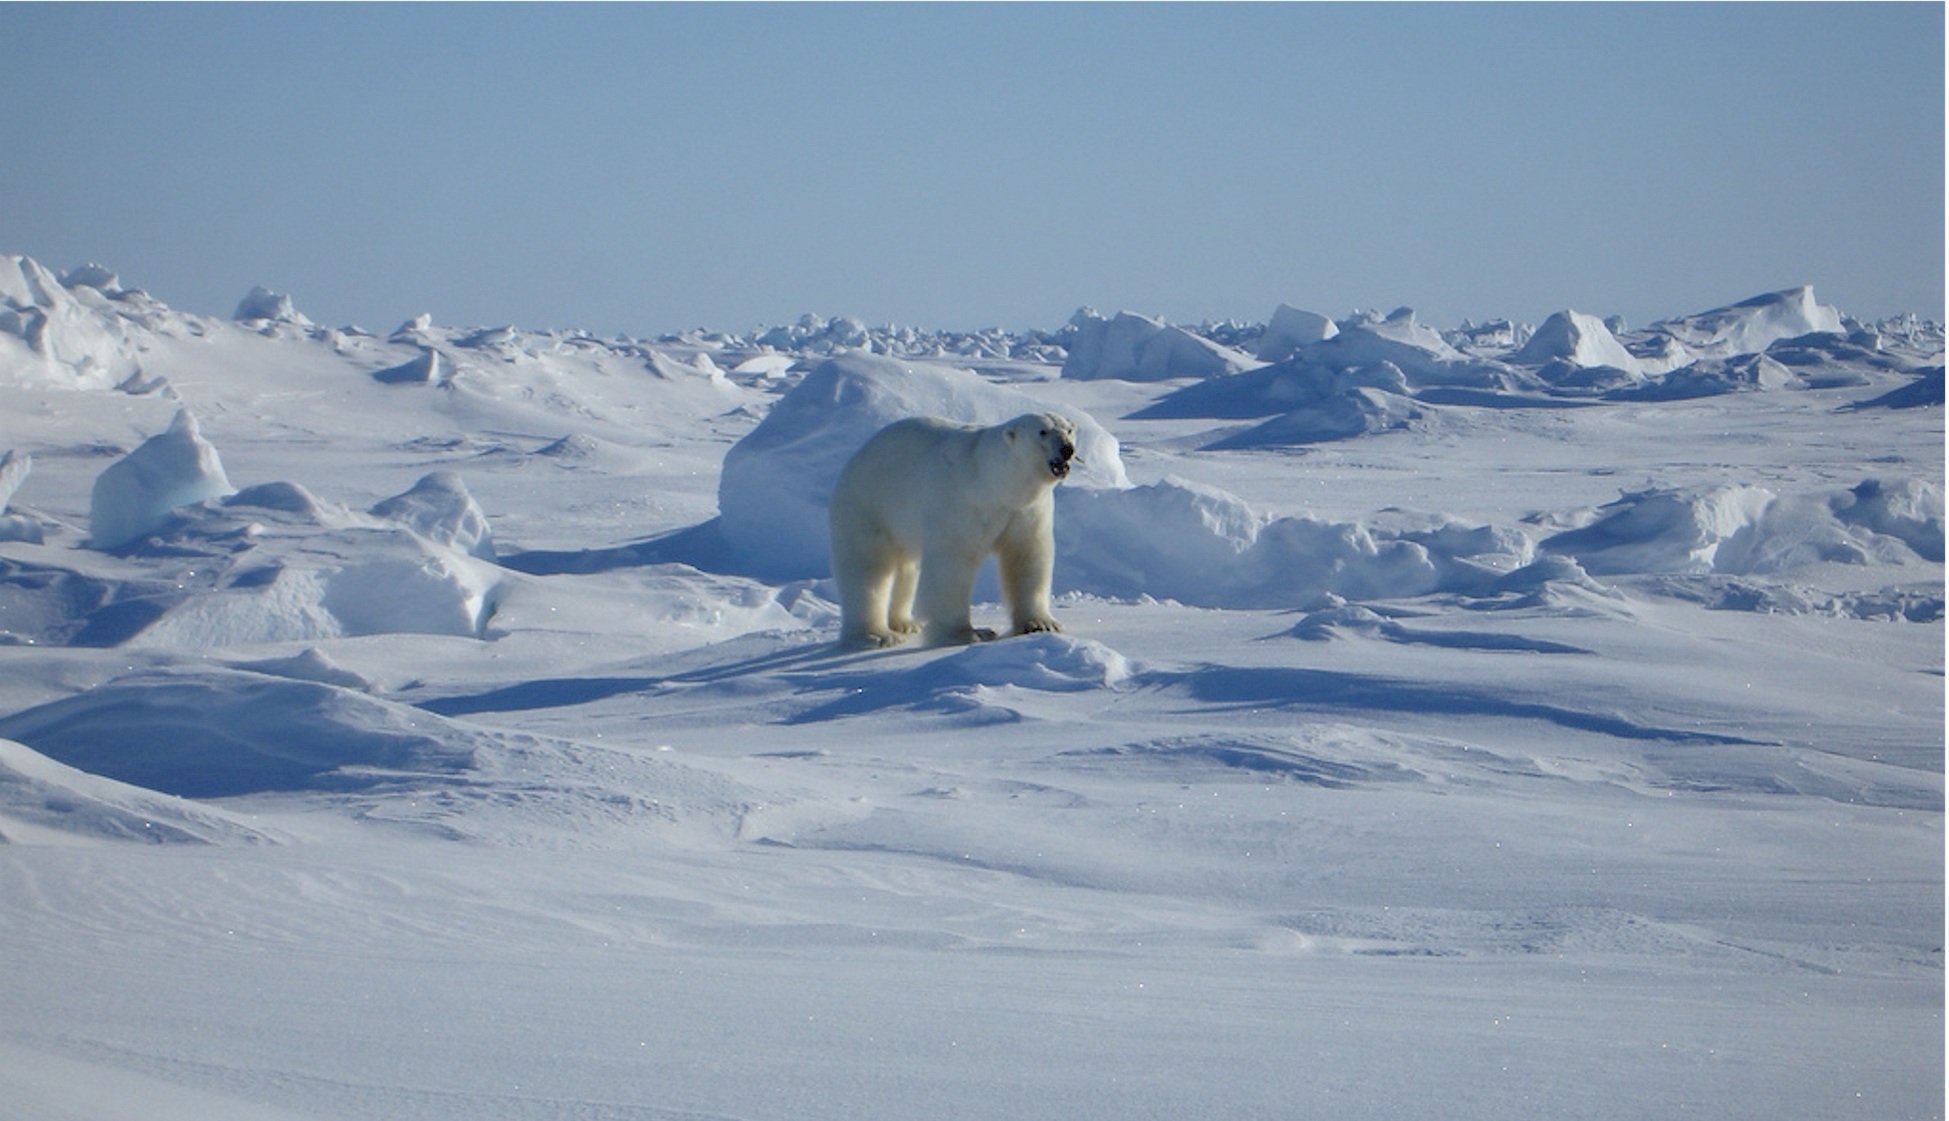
column 901, row 470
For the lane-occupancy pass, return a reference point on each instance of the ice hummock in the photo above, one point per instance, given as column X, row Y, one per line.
column 139, row 492
column 56, row 336
column 262, row 304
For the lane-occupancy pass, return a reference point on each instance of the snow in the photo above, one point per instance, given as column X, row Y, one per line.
column 1456, row 723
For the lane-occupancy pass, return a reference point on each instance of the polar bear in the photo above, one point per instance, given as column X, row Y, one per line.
column 919, row 508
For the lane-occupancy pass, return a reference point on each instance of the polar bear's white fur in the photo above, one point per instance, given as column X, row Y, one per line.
column 919, row 508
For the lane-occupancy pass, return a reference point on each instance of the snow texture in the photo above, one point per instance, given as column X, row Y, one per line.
column 1505, row 721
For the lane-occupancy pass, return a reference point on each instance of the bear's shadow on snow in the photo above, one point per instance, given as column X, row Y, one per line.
column 815, row 659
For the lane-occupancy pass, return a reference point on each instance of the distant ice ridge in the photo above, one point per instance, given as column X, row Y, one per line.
column 71, row 332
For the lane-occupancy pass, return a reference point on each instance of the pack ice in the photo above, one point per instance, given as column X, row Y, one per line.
column 1478, row 721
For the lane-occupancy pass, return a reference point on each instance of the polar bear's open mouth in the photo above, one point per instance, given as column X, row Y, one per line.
column 1059, row 467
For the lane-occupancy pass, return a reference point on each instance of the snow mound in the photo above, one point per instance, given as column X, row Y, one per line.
column 777, row 480
column 1282, row 387
column 1922, row 392
column 1745, row 530
column 1138, row 348
column 1750, row 326
column 1046, row 662
column 217, row 733
column 1909, row 511
column 139, row 492
column 42, row 800
column 309, row 664
column 1204, row 546
column 273, row 564
column 1577, row 339
column 55, row 335
column 439, row 509
column 1357, row 412
column 966, row 682
column 348, row 581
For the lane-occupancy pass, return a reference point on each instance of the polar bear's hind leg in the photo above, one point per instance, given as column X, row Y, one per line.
column 943, row 595
column 867, row 578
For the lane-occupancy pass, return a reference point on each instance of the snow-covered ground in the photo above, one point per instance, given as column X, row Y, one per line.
column 1479, row 722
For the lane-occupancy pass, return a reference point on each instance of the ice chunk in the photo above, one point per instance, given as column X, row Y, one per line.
column 1578, row 339
column 1292, row 330
column 439, row 509
column 13, row 471
column 91, row 275
column 263, row 304
column 430, row 367
column 16, row 527
column 136, row 493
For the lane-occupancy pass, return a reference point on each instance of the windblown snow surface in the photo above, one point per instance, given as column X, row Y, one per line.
column 1480, row 722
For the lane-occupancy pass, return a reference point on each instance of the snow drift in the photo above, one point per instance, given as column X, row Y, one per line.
column 214, row 733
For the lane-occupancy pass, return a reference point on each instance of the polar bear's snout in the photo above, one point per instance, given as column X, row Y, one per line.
column 1059, row 463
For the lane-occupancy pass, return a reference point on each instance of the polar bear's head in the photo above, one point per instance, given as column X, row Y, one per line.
column 1046, row 440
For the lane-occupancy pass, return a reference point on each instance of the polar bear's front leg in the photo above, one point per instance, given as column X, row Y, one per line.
column 945, row 594
column 900, row 605
column 1027, row 555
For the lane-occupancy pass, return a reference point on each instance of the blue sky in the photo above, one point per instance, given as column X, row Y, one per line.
column 644, row 169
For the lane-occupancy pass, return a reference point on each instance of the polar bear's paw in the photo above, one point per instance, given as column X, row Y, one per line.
column 871, row 640
column 1041, row 624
